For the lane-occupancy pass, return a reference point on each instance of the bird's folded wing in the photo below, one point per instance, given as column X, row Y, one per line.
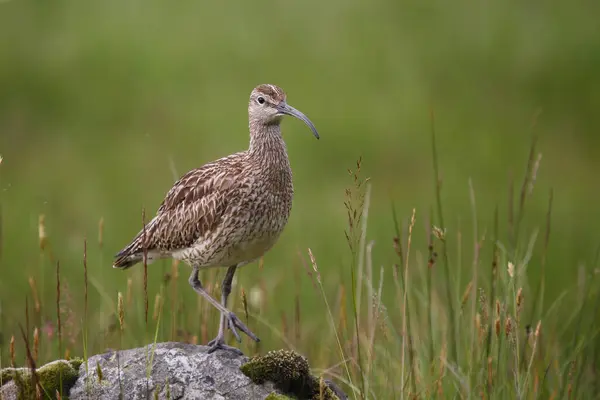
column 193, row 208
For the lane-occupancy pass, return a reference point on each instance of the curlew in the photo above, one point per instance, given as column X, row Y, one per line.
column 227, row 213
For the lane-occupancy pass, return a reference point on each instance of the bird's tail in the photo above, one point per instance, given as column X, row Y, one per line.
column 124, row 261
column 132, row 254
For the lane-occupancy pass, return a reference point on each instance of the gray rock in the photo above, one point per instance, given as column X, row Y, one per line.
column 179, row 371
column 9, row 391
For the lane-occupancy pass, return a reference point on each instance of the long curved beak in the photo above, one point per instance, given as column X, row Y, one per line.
column 284, row 108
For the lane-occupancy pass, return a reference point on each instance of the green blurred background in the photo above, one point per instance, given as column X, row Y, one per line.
column 104, row 104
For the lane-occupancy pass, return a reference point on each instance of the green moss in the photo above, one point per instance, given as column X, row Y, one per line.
column 50, row 377
column 290, row 373
column 6, row 375
column 76, row 363
column 277, row 396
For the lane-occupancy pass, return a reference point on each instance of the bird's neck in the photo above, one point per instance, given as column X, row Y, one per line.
column 266, row 143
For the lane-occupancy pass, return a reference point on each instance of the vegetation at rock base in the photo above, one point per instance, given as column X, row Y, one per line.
column 290, row 373
column 55, row 377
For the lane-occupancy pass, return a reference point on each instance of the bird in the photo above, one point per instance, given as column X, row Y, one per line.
column 226, row 213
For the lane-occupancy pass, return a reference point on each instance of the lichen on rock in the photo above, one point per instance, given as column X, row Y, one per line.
column 290, row 373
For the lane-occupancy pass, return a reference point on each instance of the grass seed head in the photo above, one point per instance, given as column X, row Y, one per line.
column 466, row 293
column 42, row 236
column 439, row 233
column 508, row 327
column 314, row 264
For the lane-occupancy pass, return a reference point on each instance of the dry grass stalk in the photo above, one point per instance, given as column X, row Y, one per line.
column 343, row 317
column 129, row 291
column 34, row 292
column 244, row 303
column 261, row 263
column 284, row 326
column 370, row 283
column 497, row 326
column 442, row 368
column 262, row 295
column 204, row 323
column 490, row 372
column 297, row 324
column 157, row 306
column 42, row 236
column 31, row 362
column 36, row 344
column 11, row 351
column 121, row 311
column 536, row 337
column 145, row 248
column 306, row 268
column 101, row 232
column 59, row 324
column 570, row 379
column 466, row 293
column 534, row 172
column 407, row 338
column 174, row 292
column 175, row 269
column 85, row 281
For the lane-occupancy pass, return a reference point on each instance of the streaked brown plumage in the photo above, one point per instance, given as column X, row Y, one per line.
column 228, row 212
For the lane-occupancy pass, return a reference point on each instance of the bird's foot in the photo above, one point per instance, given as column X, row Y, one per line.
column 218, row 343
column 235, row 323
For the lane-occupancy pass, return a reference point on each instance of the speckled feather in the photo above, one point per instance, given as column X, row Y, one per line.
column 227, row 212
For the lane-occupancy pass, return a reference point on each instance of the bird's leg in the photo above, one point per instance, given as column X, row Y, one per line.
column 226, row 316
column 219, row 341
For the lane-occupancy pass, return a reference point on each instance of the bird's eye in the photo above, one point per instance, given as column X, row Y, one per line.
column 261, row 100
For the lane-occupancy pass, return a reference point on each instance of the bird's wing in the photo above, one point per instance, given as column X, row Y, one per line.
column 192, row 208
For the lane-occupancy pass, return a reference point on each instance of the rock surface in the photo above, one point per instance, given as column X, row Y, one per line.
column 179, row 371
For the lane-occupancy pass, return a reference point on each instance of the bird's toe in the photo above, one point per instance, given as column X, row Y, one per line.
column 219, row 344
column 236, row 323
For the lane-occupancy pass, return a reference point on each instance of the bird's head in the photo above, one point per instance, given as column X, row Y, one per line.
column 268, row 105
